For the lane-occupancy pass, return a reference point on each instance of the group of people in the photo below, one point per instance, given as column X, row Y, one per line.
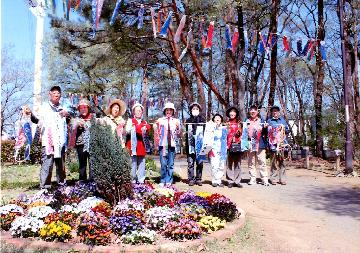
column 228, row 142
column 223, row 142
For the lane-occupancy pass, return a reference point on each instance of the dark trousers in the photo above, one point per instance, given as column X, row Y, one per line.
column 47, row 162
column 194, row 174
column 83, row 157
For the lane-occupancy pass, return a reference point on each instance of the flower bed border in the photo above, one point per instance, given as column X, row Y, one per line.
column 168, row 246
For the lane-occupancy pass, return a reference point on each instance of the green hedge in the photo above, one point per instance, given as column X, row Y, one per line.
column 7, row 152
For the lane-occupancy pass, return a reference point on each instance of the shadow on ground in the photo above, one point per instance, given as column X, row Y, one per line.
column 343, row 201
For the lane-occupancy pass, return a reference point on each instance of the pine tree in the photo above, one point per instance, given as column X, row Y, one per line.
column 110, row 164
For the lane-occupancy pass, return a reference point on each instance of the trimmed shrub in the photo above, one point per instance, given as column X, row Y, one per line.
column 110, row 164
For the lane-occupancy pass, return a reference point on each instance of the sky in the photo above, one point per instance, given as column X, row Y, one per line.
column 18, row 28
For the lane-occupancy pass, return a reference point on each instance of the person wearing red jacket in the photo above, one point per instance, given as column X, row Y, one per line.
column 233, row 171
column 137, row 131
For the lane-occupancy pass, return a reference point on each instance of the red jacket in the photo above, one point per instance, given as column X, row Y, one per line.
column 140, row 147
column 234, row 133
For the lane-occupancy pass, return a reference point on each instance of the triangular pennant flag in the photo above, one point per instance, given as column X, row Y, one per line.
column 228, row 37
column 306, row 48
column 116, row 11
column 141, row 17
column 98, row 12
column 152, row 12
column 210, row 34
column 180, row 29
column 286, row 45
column 159, row 17
column 180, row 6
column 322, row 50
column 299, row 47
column 165, row 27
column 235, row 40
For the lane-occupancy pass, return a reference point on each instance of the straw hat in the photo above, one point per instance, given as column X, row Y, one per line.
column 119, row 103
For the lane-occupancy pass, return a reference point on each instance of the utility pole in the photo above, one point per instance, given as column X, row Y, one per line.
column 38, row 10
column 348, row 143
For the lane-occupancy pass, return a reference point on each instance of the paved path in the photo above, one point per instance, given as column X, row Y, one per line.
column 315, row 212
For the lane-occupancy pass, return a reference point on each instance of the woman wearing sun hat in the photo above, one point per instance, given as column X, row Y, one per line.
column 137, row 131
column 168, row 130
column 113, row 118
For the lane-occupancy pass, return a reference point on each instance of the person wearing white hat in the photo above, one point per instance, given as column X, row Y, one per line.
column 114, row 112
column 167, row 129
column 137, row 131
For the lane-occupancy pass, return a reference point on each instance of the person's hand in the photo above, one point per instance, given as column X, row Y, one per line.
column 63, row 113
column 81, row 123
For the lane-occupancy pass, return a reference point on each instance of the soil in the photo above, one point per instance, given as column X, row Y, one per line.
column 314, row 212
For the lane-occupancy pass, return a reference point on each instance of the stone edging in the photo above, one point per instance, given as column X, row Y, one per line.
column 171, row 246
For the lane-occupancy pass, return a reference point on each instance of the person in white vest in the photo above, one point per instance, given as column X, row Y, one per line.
column 167, row 129
column 53, row 138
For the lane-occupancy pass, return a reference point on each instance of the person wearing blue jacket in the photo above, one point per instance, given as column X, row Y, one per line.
column 277, row 132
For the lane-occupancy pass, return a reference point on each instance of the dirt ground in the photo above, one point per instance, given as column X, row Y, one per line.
column 314, row 212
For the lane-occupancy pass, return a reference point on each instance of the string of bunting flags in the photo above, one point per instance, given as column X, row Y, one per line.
column 160, row 28
column 102, row 101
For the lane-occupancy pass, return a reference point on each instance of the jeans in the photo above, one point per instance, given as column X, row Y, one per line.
column 47, row 162
column 138, row 169
column 167, row 165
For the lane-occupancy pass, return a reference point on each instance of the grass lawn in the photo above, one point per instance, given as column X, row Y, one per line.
column 16, row 179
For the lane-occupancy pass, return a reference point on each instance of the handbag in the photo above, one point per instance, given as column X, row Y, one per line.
column 235, row 147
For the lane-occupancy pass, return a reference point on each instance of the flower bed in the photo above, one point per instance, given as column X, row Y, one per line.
column 75, row 214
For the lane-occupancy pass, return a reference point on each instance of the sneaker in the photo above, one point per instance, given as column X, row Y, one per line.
column 199, row 183
column 283, row 183
column 252, row 181
column 220, row 185
column 239, row 185
column 230, row 185
column 161, row 185
column 191, row 183
column 266, row 183
column 214, row 185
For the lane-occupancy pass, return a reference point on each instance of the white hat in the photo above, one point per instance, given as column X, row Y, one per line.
column 169, row 105
column 136, row 105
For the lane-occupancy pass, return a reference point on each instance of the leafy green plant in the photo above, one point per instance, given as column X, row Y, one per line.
column 110, row 164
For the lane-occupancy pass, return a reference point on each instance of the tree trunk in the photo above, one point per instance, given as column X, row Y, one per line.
column 239, row 99
column 209, row 105
column 355, row 79
column 273, row 29
column 319, row 85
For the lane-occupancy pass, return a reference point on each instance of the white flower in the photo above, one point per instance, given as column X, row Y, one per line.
column 129, row 204
column 167, row 192
column 70, row 208
column 42, row 196
column 40, row 211
column 24, row 224
column 11, row 208
column 88, row 203
column 157, row 217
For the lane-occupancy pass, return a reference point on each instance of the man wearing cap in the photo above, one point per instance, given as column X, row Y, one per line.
column 137, row 131
column 168, row 130
column 113, row 118
column 257, row 132
column 277, row 131
column 53, row 138
column 80, row 138
column 193, row 128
